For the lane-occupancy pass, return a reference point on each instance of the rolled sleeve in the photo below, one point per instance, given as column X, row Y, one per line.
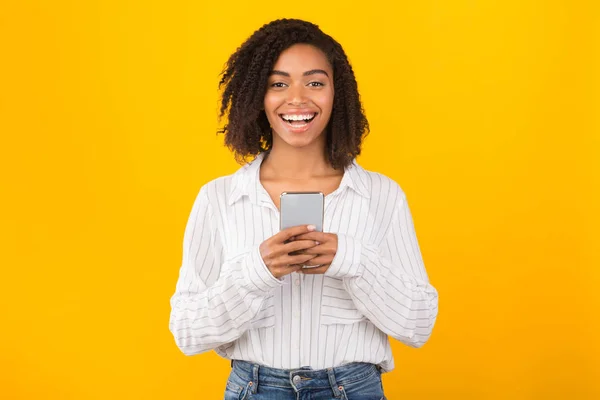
column 347, row 260
column 264, row 280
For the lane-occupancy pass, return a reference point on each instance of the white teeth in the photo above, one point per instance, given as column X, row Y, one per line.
column 297, row 117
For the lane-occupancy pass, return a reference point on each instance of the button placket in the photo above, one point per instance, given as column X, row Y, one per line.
column 296, row 325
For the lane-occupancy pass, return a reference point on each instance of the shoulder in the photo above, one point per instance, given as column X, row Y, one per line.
column 216, row 191
column 217, row 187
column 381, row 186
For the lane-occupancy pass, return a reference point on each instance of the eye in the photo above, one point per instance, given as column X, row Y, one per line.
column 315, row 84
column 277, row 84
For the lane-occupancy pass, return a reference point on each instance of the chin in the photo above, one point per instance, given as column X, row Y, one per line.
column 300, row 142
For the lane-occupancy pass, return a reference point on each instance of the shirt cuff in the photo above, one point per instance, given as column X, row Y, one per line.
column 347, row 260
column 262, row 279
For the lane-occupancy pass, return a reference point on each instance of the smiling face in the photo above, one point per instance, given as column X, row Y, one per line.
column 299, row 97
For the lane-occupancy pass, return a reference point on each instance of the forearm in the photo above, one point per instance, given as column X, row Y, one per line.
column 207, row 318
column 401, row 305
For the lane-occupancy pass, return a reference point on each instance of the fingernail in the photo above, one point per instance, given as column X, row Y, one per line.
column 317, row 243
column 311, row 227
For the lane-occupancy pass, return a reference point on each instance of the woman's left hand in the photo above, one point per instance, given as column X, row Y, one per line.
column 325, row 251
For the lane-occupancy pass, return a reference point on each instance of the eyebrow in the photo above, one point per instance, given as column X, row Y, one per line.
column 307, row 73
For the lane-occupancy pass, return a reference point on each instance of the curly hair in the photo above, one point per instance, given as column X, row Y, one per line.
column 245, row 77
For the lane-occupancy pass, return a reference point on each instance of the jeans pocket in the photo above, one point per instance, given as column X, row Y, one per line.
column 232, row 391
column 369, row 388
column 350, row 394
column 236, row 388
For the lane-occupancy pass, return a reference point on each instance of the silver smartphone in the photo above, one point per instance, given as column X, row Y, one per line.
column 301, row 208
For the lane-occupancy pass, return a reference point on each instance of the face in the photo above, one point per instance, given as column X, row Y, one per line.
column 299, row 97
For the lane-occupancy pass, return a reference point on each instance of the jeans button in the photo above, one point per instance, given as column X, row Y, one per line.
column 296, row 379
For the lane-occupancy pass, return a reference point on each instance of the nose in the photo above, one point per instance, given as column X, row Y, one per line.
column 296, row 95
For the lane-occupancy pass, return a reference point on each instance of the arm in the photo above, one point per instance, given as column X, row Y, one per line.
column 214, row 302
column 389, row 284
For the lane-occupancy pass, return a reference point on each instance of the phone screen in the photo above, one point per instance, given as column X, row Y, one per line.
column 301, row 208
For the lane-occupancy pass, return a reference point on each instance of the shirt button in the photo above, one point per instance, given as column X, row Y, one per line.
column 297, row 282
column 296, row 379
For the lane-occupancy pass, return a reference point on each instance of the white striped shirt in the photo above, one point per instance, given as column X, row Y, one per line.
column 227, row 300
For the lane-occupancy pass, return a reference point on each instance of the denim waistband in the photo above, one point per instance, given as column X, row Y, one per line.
column 304, row 377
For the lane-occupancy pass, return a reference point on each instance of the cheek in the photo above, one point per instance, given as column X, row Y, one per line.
column 325, row 102
column 270, row 105
column 271, row 102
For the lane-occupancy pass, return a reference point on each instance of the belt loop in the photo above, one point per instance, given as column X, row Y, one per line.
column 333, row 383
column 255, row 368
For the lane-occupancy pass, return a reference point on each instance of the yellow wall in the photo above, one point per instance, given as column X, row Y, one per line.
column 485, row 112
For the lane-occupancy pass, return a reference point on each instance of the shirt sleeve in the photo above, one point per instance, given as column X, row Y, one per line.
column 207, row 312
column 389, row 284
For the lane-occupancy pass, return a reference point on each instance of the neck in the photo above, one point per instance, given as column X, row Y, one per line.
column 284, row 161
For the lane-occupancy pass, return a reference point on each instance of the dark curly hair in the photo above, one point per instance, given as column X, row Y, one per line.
column 245, row 77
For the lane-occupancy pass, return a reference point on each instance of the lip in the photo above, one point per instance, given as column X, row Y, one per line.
column 296, row 111
column 300, row 129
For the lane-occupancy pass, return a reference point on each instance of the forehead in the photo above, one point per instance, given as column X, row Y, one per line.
column 300, row 58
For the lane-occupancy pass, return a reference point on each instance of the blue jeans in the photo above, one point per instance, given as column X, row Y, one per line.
column 355, row 381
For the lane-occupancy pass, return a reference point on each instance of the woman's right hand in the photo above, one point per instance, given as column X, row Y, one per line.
column 275, row 251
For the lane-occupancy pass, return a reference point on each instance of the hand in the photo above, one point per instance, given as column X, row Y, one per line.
column 325, row 251
column 275, row 251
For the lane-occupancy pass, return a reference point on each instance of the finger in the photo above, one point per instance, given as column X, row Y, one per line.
column 321, row 249
column 298, row 245
column 321, row 259
column 299, row 259
column 318, row 236
column 286, row 259
column 291, row 247
column 288, row 233
column 288, row 269
column 315, row 270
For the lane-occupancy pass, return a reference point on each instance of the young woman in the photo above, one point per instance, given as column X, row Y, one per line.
column 244, row 288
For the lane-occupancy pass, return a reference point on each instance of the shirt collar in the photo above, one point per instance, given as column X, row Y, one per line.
column 246, row 182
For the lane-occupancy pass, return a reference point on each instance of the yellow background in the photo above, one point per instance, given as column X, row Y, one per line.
column 485, row 112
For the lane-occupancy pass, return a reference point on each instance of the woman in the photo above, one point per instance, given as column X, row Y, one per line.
column 244, row 288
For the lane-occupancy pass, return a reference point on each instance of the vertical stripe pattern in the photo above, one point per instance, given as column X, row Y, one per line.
column 376, row 287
